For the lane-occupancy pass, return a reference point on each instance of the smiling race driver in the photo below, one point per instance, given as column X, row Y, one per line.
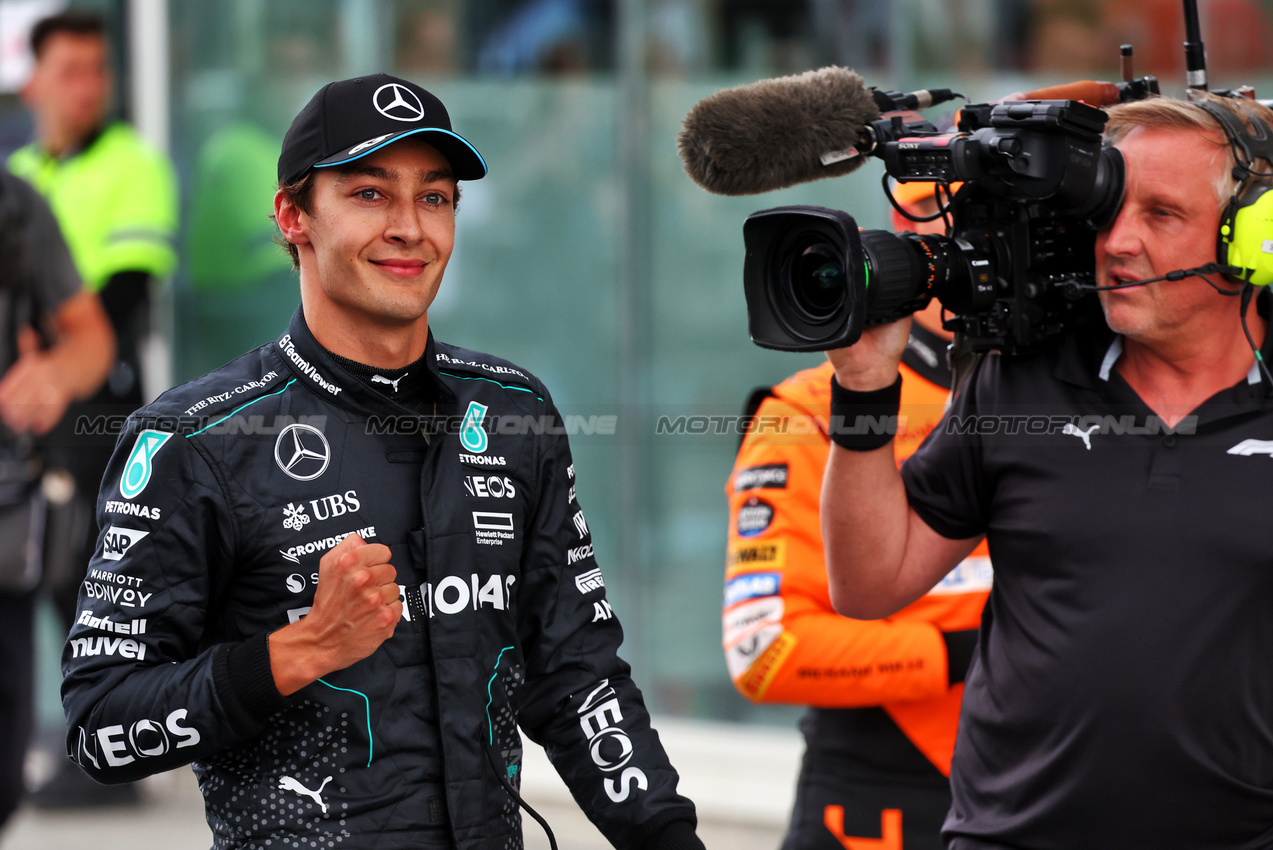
column 331, row 575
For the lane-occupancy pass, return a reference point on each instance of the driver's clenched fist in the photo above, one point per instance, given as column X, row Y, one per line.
column 356, row 608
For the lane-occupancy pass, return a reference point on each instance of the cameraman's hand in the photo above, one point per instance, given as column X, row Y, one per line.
column 871, row 362
column 33, row 393
column 356, row 608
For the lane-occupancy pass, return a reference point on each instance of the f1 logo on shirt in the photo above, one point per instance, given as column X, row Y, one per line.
column 138, row 468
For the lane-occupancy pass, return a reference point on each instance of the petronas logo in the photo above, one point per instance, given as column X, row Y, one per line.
column 472, row 437
column 138, row 468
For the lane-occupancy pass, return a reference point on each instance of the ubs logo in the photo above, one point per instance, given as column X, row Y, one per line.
column 302, row 452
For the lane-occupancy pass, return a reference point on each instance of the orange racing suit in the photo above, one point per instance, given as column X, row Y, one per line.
column 884, row 694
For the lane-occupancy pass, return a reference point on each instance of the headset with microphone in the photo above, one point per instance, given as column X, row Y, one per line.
column 1244, row 241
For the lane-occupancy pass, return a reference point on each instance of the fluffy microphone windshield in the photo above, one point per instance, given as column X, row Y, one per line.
column 776, row 133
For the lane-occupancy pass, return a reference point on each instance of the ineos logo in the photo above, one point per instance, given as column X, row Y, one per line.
column 302, row 452
column 391, row 101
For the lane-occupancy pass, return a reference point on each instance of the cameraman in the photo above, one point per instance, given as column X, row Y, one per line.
column 40, row 299
column 884, row 696
column 1121, row 693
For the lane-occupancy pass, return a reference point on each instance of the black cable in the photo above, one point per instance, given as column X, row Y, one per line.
column 1248, row 292
column 1177, row 274
column 508, row 786
column 943, row 210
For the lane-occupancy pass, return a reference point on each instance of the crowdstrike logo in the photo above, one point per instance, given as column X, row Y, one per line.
column 398, row 103
column 293, row 553
column 302, row 452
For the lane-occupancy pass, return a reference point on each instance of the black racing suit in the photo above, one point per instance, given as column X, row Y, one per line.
column 220, row 500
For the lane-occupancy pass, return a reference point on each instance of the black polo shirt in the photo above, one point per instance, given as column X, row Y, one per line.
column 1122, row 691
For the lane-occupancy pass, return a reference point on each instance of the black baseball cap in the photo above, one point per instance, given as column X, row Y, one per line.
column 349, row 119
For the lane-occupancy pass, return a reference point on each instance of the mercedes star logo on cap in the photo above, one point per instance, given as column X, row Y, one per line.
column 398, row 102
column 302, row 452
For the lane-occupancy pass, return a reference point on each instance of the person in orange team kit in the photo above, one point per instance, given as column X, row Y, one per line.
column 883, row 695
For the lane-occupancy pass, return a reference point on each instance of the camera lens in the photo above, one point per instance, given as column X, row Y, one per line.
column 818, row 280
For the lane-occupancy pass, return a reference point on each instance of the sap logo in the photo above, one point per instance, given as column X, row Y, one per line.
column 751, row 586
column 578, row 553
column 117, row 541
column 610, row 747
column 589, row 581
column 489, row 487
column 453, row 594
column 336, row 505
column 124, row 647
column 144, row 739
column 581, row 524
column 125, row 596
column 105, row 624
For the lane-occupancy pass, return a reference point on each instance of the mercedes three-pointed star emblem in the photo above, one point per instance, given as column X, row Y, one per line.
column 397, row 102
column 302, row 452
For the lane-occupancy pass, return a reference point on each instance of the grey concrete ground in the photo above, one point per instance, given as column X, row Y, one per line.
column 741, row 779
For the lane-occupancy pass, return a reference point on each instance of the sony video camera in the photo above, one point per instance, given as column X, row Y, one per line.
column 1018, row 261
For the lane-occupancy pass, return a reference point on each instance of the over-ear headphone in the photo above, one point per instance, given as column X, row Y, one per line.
column 1245, row 240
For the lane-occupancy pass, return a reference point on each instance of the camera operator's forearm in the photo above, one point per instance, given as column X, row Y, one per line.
column 881, row 556
column 864, row 525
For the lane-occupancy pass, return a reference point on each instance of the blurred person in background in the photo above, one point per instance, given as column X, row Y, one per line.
column 55, row 346
column 884, row 695
column 115, row 200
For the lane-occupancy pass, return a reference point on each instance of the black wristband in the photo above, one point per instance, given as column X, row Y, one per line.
column 862, row 422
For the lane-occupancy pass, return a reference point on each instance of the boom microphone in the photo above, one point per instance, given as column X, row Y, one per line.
column 776, row 133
